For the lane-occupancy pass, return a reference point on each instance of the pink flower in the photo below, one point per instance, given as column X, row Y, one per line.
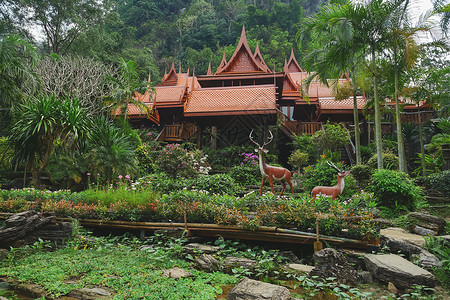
column 88, row 174
column 149, row 133
column 127, row 176
column 120, row 176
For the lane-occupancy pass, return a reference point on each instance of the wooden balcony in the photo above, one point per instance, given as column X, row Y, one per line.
column 177, row 133
column 309, row 128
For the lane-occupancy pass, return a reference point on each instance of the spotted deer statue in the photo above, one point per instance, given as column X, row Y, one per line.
column 332, row 191
column 271, row 172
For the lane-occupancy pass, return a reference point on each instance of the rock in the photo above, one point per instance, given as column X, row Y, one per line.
column 365, row 277
column 195, row 248
column 299, row 268
column 91, row 294
column 31, row 289
column 445, row 237
column 383, row 223
column 3, row 298
column 330, row 263
column 29, row 226
column 423, row 231
column 147, row 247
column 238, row 262
column 176, row 273
column 399, row 271
column 355, row 258
column 289, row 257
column 427, row 260
column 401, row 234
column 428, row 221
column 392, row 289
column 397, row 239
column 248, row 289
column 207, row 262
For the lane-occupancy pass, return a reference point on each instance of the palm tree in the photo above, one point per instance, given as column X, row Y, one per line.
column 335, row 52
column 111, row 151
column 127, row 83
column 404, row 49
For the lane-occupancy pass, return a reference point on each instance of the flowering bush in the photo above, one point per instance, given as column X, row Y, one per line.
column 176, row 161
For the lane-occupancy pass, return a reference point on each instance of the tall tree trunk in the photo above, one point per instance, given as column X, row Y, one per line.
column 377, row 120
column 400, row 143
column 356, row 121
column 422, row 147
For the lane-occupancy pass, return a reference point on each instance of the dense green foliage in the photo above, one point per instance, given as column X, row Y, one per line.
column 395, row 190
column 390, row 161
column 440, row 183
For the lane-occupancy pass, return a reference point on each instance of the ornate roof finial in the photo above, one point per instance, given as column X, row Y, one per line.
column 260, row 59
column 209, row 69
column 193, row 79
column 149, row 73
column 187, row 78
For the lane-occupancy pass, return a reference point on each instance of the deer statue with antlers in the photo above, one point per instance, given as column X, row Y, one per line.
column 332, row 191
column 271, row 172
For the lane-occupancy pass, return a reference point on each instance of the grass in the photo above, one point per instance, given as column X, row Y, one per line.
column 121, row 267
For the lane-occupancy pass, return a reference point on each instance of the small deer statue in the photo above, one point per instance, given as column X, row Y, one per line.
column 271, row 172
column 332, row 191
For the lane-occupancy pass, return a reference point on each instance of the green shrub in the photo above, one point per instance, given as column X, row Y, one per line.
column 440, row 183
column 331, row 138
column 362, row 174
column 390, row 161
column 245, row 175
column 395, row 190
column 319, row 174
column 217, row 184
column 298, row 159
column 305, row 144
column 146, row 156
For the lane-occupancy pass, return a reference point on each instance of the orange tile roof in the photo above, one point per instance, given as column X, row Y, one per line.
column 329, row 105
column 169, row 95
column 232, row 101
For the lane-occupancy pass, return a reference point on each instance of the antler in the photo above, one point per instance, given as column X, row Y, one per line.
column 266, row 143
column 333, row 166
column 251, row 139
column 269, row 139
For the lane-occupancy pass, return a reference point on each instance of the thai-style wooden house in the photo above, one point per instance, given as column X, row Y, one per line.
column 244, row 93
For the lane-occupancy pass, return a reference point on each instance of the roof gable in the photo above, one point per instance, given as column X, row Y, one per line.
column 288, row 82
column 260, row 59
column 292, row 64
column 242, row 60
column 171, row 78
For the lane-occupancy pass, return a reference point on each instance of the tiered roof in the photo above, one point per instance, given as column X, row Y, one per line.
column 243, row 60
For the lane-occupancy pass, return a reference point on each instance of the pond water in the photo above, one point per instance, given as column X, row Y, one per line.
column 7, row 291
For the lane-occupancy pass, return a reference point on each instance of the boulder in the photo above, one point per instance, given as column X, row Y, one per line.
column 238, row 262
column 289, row 256
column 30, row 226
column 397, row 239
column 248, row 289
column 330, row 263
column 91, row 293
column 427, row 260
column 423, row 231
column 431, row 222
column 176, row 273
column 365, row 277
column 299, row 268
column 207, row 262
column 399, row 271
column 195, row 248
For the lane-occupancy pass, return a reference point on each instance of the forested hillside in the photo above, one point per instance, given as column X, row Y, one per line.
column 156, row 32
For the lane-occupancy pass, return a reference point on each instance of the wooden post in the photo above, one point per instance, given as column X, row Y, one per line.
column 199, row 137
